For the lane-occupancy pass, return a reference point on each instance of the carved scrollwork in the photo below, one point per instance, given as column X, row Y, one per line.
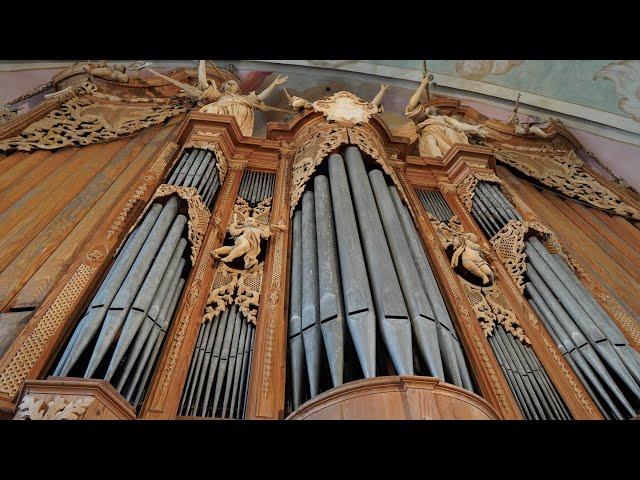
column 562, row 171
column 32, row 408
column 83, row 121
column 345, row 107
column 198, row 213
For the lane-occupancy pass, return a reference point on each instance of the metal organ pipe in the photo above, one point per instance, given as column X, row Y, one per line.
column 120, row 336
column 219, row 371
column 371, row 265
column 588, row 338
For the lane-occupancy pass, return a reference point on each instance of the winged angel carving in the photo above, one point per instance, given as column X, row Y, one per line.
column 228, row 100
column 249, row 227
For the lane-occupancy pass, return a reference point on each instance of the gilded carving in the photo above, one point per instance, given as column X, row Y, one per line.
column 32, row 408
column 563, row 171
column 84, row 121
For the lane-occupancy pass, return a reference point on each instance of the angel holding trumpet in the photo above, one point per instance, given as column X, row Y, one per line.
column 228, row 100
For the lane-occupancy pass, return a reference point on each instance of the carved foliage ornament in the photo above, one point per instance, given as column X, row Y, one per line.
column 84, row 121
column 561, row 170
column 32, row 408
column 491, row 307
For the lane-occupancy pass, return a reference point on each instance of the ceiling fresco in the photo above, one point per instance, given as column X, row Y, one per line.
column 606, row 85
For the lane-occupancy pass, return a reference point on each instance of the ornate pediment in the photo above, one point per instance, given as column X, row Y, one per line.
column 345, row 107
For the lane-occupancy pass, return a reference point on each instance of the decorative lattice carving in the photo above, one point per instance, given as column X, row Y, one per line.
column 198, row 213
column 84, row 121
column 212, row 146
column 467, row 188
column 32, row 408
column 314, row 145
column 509, row 246
column 563, row 171
column 12, row 376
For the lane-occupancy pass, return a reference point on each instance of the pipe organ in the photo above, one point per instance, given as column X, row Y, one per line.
column 191, row 269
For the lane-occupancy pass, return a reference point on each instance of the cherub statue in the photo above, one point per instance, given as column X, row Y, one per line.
column 115, row 73
column 530, row 128
column 438, row 133
column 228, row 101
column 467, row 248
column 247, row 241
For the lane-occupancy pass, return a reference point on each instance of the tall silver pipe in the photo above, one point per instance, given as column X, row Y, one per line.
column 387, row 295
column 330, row 298
column 107, row 291
column 126, row 294
column 359, row 309
column 311, row 333
column 456, row 369
column 171, row 275
column 224, row 320
column 146, row 294
column 296, row 346
column 422, row 316
column 224, row 358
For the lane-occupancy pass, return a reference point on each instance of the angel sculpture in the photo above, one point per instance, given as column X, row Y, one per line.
column 247, row 240
column 115, row 73
column 467, row 248
column 530, row 128
column 438, row 133
column 228, row 101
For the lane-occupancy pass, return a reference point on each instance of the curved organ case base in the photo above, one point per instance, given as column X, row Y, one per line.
column 403, row 397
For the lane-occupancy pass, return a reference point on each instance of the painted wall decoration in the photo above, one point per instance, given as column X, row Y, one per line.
column 479, row 69
column 625, row 74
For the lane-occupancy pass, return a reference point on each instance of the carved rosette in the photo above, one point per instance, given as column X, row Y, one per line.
column 198, row 213
column 467, row 188
column 345, row 107
column 32, row 408
column 85, row 120
column 509, row 246
column 562, row 171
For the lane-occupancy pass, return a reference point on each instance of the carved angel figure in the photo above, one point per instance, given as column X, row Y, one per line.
column 115, row 73
column 228, row 100
column 247, row 241
column 526, row 128
column 438, row 133
column 467, row 248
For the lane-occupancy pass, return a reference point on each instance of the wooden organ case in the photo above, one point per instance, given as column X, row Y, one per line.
column 328, row 271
